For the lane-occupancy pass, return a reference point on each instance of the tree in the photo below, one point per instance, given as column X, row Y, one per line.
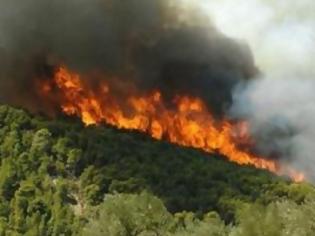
column 187, row 224
column 277, row 219
column 127, row 214
column 41, row 142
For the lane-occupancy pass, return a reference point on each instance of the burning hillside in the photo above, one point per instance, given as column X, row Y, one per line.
column 160, row 67
column 168, row 117
column 187, row 121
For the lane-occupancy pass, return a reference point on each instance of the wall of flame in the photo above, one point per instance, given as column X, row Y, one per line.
column 188, row 122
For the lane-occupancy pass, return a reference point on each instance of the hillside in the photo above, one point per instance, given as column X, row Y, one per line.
column 58, row 177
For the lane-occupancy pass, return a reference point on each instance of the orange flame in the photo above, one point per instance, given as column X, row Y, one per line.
column 189, row 123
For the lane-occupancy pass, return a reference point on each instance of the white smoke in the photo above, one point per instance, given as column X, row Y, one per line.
column 280, row 105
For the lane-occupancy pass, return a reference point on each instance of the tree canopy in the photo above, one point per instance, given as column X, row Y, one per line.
column 58, row 177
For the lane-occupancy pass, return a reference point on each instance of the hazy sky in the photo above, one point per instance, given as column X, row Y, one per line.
column 280, row 105
column 280, row 32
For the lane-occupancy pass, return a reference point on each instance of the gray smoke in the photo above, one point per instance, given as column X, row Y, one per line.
column 280, row 105
column 281, row 113
column 156, row 44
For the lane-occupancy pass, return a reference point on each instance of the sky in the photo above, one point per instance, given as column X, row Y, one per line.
column 280, row 104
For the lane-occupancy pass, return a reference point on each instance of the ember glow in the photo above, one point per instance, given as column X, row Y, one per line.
column 188, row 122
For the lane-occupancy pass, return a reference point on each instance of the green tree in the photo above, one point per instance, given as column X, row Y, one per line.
column 277, row 219
column 127, row 215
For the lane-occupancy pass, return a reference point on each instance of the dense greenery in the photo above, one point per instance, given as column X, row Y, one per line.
column 58, row 177
column 143, row 214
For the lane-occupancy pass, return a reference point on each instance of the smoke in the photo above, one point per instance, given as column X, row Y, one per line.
column 158, row 44
column 181, row 47
column 280, row 104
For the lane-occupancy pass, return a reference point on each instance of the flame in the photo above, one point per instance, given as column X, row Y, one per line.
column 188, row 122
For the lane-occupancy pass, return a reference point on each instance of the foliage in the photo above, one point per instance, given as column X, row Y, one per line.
column 277, row 219
column 125, row 214
column 58, row 177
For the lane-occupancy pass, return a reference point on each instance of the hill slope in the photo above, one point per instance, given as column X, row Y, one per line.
column 54, row 175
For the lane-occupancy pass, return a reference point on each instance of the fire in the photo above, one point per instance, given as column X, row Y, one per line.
column 188, row 122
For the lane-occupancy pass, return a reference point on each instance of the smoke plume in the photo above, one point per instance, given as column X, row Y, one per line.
column 280, row 105
column 180, row 47
column 155, row 44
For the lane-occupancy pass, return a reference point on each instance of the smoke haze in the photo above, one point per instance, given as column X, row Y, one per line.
column 280, row 105
column 156, row 44
column 181, row 47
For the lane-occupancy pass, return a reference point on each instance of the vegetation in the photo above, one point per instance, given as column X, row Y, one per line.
column 58, row 177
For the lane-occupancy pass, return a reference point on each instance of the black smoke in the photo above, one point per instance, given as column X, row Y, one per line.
column 152, row 43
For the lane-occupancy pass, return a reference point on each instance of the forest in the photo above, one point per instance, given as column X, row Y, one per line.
column 58, row 177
